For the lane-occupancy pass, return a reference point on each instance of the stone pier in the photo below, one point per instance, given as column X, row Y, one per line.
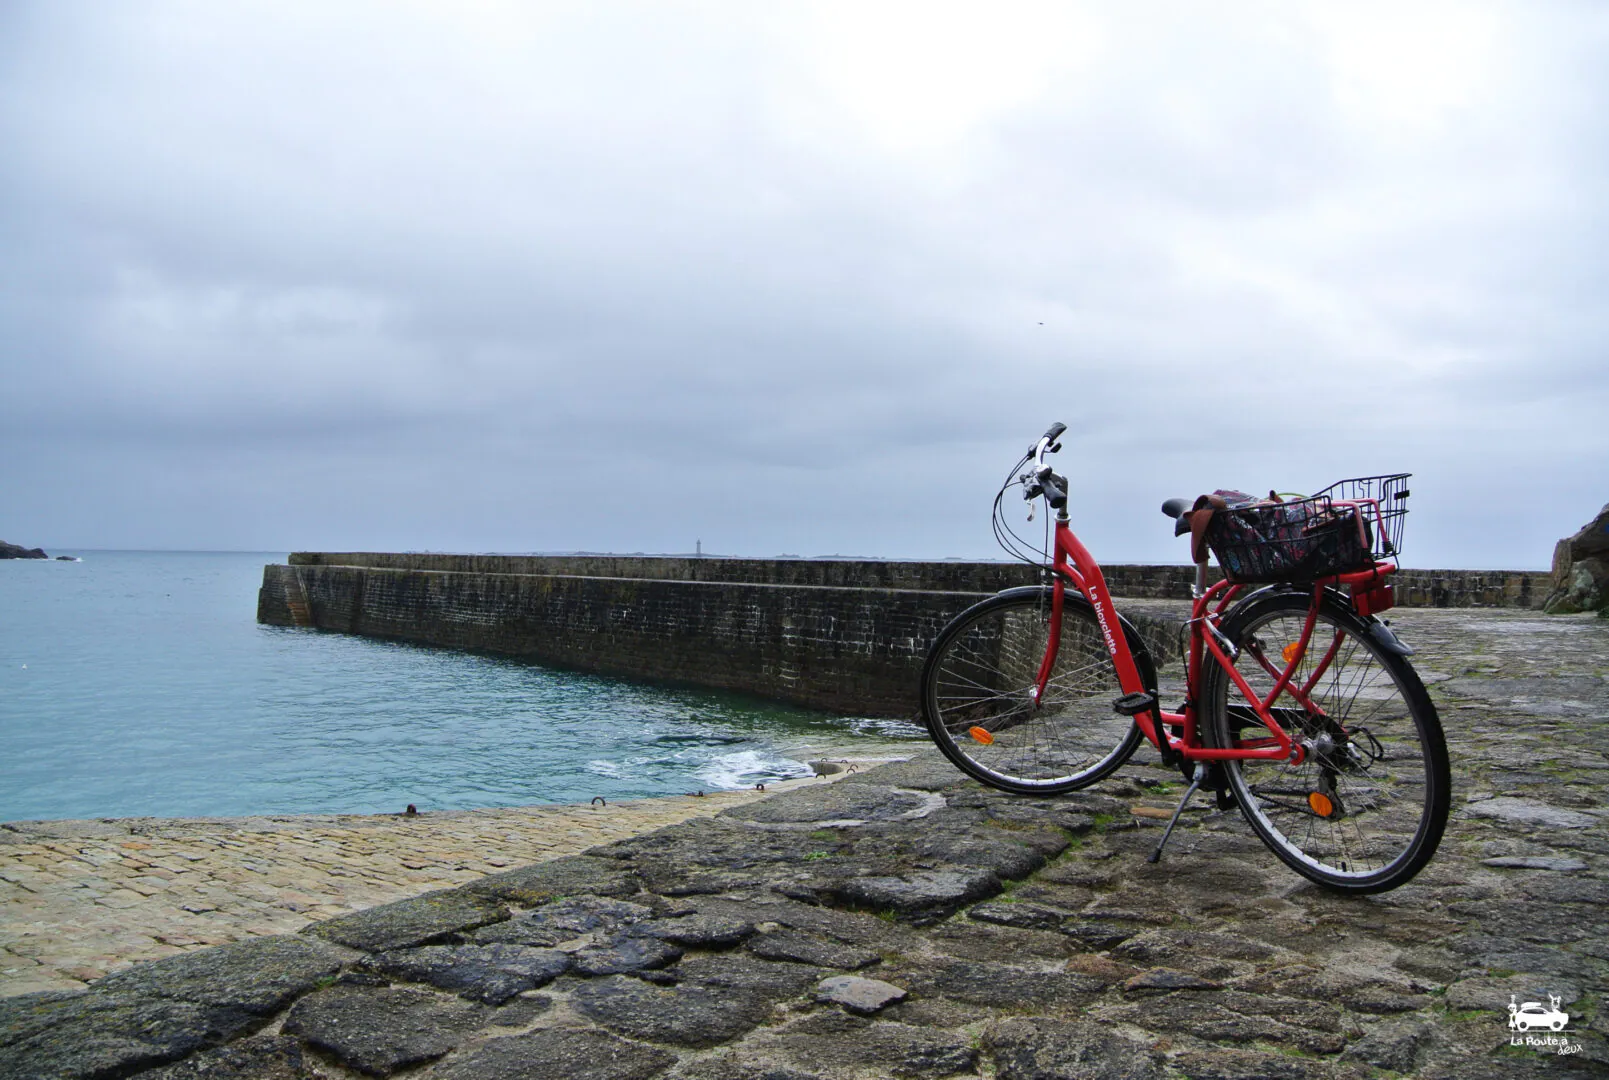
column 906, row 922
column 843, row 635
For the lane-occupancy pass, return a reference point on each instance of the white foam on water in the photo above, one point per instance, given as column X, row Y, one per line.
column 745, row 768
column 860, row 738
column 885, row 729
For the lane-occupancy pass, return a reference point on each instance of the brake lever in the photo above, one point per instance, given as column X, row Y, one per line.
column 1032, row 489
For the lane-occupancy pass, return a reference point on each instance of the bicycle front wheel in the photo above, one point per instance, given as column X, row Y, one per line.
column 1367, row 806
column 977, row 703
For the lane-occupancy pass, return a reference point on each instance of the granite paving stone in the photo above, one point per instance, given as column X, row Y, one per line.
column 837, row 1045
column 1532, row 813
column 699, row 931
column 687, row 1014
column 1534, row 862
column 999, row 985
column 262, row 1057
column 1207, row 1016
column 566, row 876
column 378, row 1030
column 968, row 940
column 740, row 971
column 1165, row 945
column 805, row 948
column 560, row 1054
column 920, row 896
column 739, row 1065
column 1393, row 1046
column 487, row 973
column 850, row 927
column 1023, row 916
column 85, row 1036
column 568, row 919
column 1045, row 1049
column 1205, row 1061
column 414, row 921
column 260, row 976
column 1164, row 980
column 624, row 953
column 863, row 997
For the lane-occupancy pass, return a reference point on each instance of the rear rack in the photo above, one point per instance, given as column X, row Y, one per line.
column 1382, row 500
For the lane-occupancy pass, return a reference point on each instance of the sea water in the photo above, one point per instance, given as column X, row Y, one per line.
column 139, row 683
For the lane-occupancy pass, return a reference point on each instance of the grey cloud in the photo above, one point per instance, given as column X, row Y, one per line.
column 622, row 277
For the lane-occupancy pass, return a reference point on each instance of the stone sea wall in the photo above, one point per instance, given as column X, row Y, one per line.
column 849, row 649
column 1415, row 588
column 847, row 636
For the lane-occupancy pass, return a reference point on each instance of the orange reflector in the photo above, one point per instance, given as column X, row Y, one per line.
column 1289, row 651
column 1321, row 804
column 979, row 735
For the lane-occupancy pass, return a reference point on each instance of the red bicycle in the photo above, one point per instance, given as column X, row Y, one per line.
column 1300, row 705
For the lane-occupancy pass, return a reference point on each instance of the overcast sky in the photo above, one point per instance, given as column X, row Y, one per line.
column 794, row 278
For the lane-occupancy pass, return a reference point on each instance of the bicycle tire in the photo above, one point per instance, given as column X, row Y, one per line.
column 976, row 703
column 1377, row 764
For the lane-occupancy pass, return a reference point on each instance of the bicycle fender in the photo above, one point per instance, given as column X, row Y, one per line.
column 1033, row 590
column 1383, row 635
column 1388, row 640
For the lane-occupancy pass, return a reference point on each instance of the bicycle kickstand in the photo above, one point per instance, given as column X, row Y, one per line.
column 1195, row 785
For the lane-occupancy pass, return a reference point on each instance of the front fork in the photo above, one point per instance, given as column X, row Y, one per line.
column 1053, row 646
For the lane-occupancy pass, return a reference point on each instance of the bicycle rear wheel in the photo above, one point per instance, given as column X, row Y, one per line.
column 1366, row 808
column 978, row 709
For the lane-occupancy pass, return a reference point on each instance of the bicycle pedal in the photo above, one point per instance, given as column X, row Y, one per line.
column 1134, row 704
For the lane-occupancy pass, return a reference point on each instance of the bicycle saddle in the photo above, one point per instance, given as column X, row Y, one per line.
column 1175, row 508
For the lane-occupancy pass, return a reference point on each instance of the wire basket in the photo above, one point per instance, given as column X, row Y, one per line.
column 1343, row 528
column 1383, row 501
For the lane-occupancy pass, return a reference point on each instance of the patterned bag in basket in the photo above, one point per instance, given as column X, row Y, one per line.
column 1266, row 540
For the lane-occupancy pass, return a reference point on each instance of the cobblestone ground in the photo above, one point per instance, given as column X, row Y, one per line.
column 79, row 899
column 908, row 922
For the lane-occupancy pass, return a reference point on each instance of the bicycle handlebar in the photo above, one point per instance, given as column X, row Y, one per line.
column 1047, row 444
column 1046, row 481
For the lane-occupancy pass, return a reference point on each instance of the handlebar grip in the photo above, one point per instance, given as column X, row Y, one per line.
column 1055, row 431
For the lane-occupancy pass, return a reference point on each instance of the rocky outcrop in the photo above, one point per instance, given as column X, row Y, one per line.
column 14, row 551
column 1581, row 569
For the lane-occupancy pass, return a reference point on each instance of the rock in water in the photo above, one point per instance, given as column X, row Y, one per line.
column 12, row 551
column 1581, row 569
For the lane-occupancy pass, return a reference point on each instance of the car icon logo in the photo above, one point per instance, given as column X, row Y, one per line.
column 1533, row 1014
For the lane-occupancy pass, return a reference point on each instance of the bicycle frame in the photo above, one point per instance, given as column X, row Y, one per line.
column 1073, row 564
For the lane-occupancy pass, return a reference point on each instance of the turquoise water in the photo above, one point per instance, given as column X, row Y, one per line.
column 139, row 683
